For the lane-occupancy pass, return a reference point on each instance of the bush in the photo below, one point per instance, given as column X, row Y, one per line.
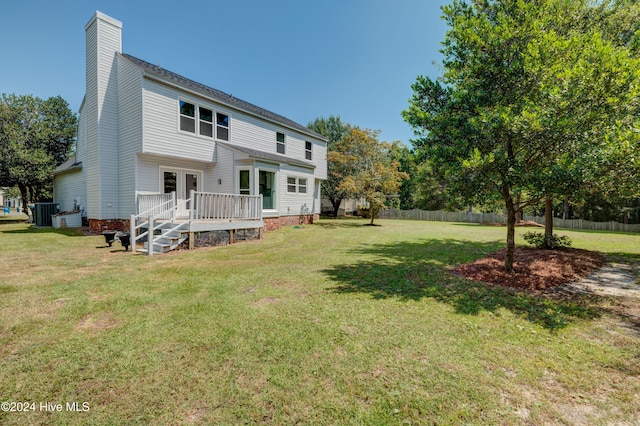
column 541, row 241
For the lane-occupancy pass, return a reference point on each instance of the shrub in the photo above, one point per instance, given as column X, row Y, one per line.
column 540, row 240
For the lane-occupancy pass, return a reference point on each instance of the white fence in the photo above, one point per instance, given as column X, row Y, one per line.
column 443, row 216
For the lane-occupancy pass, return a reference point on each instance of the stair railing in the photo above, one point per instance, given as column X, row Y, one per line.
column 162, row 206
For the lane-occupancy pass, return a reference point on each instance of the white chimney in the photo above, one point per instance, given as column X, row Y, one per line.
column 104, row 41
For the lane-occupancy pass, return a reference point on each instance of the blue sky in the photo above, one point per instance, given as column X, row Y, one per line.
column 302, row 59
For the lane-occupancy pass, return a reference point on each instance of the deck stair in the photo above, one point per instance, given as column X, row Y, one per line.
column 171, row 235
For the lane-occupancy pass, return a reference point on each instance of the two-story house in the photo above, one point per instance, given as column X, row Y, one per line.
column 153, row 143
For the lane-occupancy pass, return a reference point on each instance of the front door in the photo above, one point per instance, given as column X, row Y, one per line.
column 182, row 182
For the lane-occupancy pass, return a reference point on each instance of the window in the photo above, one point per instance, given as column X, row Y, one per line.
column 200, row 120
column 296, row 185
column 291, row 185
column 187, row 117
column 267, row 189
column 222, row 126
column 245, row 182
column 280, row 143
column 307, row 150
column 206, row 122
column 170, row 182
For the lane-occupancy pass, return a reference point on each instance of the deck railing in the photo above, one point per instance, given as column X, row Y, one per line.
column 159, row 205
column 210, row 206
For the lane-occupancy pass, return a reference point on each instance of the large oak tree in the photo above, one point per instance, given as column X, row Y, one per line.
column 36, row 135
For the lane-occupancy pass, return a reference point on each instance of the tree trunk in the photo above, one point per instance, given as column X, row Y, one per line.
column 373, row 215
column 548, row 216
column 511, row 237
column 24, row 195
column 336, row 206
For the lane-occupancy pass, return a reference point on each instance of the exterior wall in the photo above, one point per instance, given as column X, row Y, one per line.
column 223, row 172
column 296, row 203
column 148, row 172
column 101, row 108
column 162, row 135
column 274, row 223
column 69, row 188
column 253, row 133
column 161, row 125
column 97, row 226
column 129, row 133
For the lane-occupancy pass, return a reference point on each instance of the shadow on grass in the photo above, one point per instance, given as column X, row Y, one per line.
column 332, row 223
column 69, row 232
column 413, row 271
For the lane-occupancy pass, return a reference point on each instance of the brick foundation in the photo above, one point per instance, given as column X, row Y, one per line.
column 273, row 223
column 99, row 225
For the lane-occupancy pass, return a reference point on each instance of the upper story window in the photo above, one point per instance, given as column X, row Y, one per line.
column 199, row 120
column 222, row 126
column 280, row 144
column 187, row 117
column 206, row 122
column 308, row 153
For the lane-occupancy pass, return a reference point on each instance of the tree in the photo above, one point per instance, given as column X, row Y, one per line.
column 365, row 168
column 36, row 135
column 421, row 189
column 334, row 130
column 524, row 91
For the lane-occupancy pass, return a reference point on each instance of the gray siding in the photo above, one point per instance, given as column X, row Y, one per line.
column 223, row 171
column 69, row 187
column 129, row 133
column 161, row 125
column 148, row 172
column 294, row 204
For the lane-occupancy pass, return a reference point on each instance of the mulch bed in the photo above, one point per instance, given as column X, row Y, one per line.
column 534, row 269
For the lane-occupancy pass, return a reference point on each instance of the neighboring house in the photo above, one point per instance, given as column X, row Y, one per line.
column 348, row 206
column 150, row 139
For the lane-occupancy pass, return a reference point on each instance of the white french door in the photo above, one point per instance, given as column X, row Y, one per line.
column 182, row 181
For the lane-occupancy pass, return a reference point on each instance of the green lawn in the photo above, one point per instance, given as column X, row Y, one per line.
column 334, row 323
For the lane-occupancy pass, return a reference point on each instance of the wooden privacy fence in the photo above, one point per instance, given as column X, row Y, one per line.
column 466, row 217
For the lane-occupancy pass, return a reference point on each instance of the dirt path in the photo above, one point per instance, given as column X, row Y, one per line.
column 613, row 279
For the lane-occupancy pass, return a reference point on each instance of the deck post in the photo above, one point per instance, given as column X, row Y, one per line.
column 230, row 236
column 150, row 237
column 192, row 242
column 132, row 232
column 193, row 206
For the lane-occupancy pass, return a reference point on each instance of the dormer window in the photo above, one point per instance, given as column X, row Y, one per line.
column 280, row 145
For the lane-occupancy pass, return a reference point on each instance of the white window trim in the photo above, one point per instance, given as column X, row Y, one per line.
column 283, row 143
column 276, row 196
column 297, row 185
column 213, row 110
column 236, row 177
column 309, row 151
